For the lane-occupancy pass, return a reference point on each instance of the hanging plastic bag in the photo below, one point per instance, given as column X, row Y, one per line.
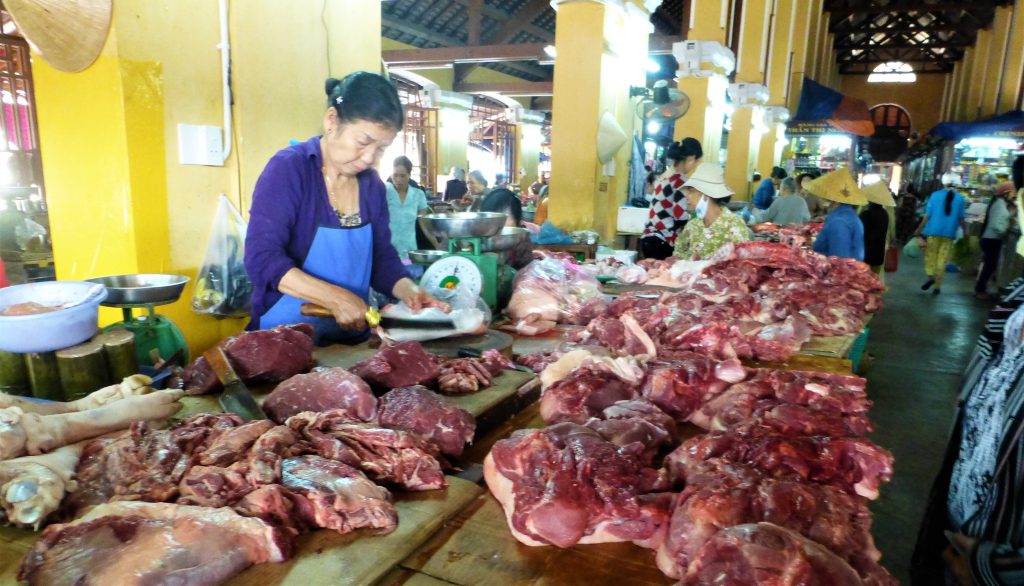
column 912, row 249
column 223, row 288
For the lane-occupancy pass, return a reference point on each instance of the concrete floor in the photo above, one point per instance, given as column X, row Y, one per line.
column 920, row 344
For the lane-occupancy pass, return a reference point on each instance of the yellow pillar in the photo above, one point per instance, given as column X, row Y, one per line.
column 819, row 24
column 1013, row 68
column 996, row 59
column 960, row 104
column 704, row 65
column 980, row 67
column 601, row 48
column 748, row 95
column 453, row 128
column 530, row 139
column 777, row 79
column 805, row 22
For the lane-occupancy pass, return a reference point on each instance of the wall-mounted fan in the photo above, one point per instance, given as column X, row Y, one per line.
column 661, row 103
column 68, row 35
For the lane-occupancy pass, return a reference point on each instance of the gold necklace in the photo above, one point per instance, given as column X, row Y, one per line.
column 353, row 219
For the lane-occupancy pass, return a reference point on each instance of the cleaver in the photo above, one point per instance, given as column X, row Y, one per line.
column 309, row 309
column 236, row 397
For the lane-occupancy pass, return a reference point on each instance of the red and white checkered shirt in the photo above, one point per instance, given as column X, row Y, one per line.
column 668, row 212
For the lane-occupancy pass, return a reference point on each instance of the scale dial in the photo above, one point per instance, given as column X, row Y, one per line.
column 455, row 273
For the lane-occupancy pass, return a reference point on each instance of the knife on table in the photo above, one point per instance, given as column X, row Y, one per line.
column 236, row 397
column 373, row 319
column 467, row 352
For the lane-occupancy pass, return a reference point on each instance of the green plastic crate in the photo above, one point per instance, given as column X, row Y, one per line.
column 857, row 350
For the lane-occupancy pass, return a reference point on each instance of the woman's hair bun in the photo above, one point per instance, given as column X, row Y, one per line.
column 332, row 86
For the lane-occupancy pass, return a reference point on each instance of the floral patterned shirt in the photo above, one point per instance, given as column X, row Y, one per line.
column 697, row 242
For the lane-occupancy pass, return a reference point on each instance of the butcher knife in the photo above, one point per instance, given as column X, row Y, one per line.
column 388, row 323
column 467, row 352
column 236, row 397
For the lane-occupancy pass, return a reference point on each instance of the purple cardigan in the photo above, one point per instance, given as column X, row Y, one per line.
column 289, row 204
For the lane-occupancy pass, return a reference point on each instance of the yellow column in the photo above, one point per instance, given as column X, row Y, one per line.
column 961, row 111
column 805, row 19
column 704, row 64
column 995, row 61
column 777, row 79
column 1013, row 68
column 601, row 48
column 980, row 67
column 819, row 24
column 453, row 128
column 530, row 139
column 747, row 125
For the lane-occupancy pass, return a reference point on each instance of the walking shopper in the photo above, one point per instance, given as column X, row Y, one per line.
column 668, row 214
column 906, row 216
column 875, row 218
column 997, row 224
column 943, row 216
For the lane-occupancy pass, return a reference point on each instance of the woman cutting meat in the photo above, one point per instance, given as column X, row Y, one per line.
column 318, row 228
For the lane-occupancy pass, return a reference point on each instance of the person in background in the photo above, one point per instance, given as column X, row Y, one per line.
column 503, row 201
column 814, row 205
column 906, row 215
column 541, row 215
column 943, row 216
column 997, row 224
column 714, row 225
column 765, row 194
column 541, row 181
column 875, row 218
column 788, row 208
column 319, row 223
column 477, row 184
column 652, row 183
column 405, row 204
column 456, row 188
column 667, row 213
column 500, row 180
column 843, row 233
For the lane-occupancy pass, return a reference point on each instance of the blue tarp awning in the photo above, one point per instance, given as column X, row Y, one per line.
column 1009, row 124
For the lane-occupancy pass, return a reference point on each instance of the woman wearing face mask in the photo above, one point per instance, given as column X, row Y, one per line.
column 318, row 228
column 667, row 213
column 714, row 225
column 843, row 232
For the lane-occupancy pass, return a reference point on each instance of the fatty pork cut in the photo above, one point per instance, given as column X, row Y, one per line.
column 339, row 496
column 424, row 413
column 583, row 394
column 262, row 356
column 681, row 382
column 638, row 427
column 565, row 484
column 764, row 554
column 321, row 390
column 137, row 543
column 398, row 365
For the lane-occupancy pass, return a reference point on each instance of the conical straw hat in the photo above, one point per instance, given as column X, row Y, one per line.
column 879, row 193
column 610, row 138
column 69, row 35
column 838, row 186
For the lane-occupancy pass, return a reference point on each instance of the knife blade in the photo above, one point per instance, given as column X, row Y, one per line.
column 467, row 352
column 388, row 323
column 236, row 397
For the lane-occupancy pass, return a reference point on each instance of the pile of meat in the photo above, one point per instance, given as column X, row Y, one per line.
column 407, row 363
column 775, row 488
column 247, row 488
column 754, row 300
column 614, row 268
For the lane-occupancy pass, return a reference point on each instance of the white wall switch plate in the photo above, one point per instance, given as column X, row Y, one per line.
column 200, row 145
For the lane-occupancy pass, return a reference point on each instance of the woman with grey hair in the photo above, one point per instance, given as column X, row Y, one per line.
column 456, row 186
column 478, row 189
column 789, row 208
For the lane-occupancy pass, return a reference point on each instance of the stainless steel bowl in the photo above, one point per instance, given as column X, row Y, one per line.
column 463, row 224
column 426, row 257
column 507, row 239
column 123, row 290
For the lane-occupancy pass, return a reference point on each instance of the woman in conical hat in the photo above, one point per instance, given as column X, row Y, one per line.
column 877, row 223
column 713, row 225
column 843, row 233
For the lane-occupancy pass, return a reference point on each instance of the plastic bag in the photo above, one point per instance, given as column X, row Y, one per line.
column 912, row 249
column 555, row 291
column 551, row 234
column 223, row 288
column 966, row 253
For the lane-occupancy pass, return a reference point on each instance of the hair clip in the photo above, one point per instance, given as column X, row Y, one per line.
column 338, row 100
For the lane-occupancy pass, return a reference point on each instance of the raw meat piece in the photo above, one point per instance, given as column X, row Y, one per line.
column 136, row 384
column 564, row 485
column 461, row 376
column 29, row 308
column 212, row 486
column 639, row 427
column 680, row 383
column 554, row 291
column 30, row 434
column 538, row 361
column 853, row 274
column 854, row 464
column 144, row 464
column 264, row 460
column 764, row 554
column 777, row 342
column 385, row 455
column 32, row 487
column 582, row 395
column 321, row 390
column 495, row 362
column 398, row 365
column 531, row 325
column 231, row 445
column 279, row 507
column 719, row 340
column 133, row 543
column 627, row 368
column 262, row 356
column 341, row 497
column 623, row 336
column 424, row 413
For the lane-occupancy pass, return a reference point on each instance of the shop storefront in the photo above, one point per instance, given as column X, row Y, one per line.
column 817, row 146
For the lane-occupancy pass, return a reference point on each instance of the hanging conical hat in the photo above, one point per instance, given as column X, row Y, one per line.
column 68, row 34
column 879, row 193
column 610, row 138
column 838, row 186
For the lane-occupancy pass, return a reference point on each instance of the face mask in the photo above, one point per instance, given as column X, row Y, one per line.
column 702, row 207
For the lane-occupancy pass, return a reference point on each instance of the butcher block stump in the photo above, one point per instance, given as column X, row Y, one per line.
column 329, row 559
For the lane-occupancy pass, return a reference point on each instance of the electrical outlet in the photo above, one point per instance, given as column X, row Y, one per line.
column 200, row 145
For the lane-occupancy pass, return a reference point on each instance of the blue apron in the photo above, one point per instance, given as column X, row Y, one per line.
column 342, row 257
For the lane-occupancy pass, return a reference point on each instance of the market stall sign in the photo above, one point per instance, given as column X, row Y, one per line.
column 817, row 127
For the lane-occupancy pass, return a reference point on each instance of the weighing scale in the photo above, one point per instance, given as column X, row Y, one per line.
column 475, row 260
column 154, row 333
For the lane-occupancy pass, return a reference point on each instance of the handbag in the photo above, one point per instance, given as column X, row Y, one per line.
column 892, row 259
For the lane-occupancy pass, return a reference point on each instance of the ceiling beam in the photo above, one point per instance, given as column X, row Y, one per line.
column 511, row 27
column 932, row 28
column 911, row 6
column 522, row 88
column 462, row 54
column 475, row 15
column 840, row 46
